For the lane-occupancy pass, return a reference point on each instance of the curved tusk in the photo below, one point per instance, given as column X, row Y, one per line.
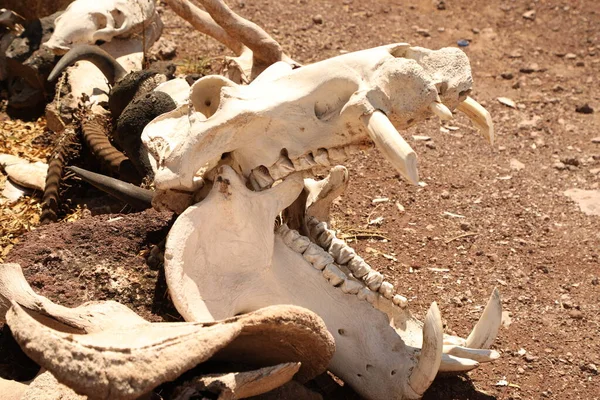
column 392, row 145
column 457, row 364
column 479, row 355
column 130, row 194
column 441, row 111
column 485, row 331
column 479, row 116
column 450, row 340
column 112, row 70
column 431, row 354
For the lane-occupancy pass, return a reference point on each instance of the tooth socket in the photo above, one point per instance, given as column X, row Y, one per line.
column 373, row 280
column 260, row 176
column 321, row 157
column 387, row 290
column 359, row 267
column 318, row 257
column 304, row 162
column 400, row 301
column 368, row 295
column 333, row 274
column 351, row 287
column 282, row 168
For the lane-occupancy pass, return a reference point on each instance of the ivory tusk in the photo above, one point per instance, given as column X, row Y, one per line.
column 457, row 364
column 441, row 111
column 392, row 145
column 479, row 355
column 431, row 353
column 479, row 116
column 485, row 331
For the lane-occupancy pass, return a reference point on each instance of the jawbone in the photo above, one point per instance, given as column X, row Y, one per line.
column 223, row 257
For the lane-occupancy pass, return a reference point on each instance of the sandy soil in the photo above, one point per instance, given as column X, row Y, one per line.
column 485, row 216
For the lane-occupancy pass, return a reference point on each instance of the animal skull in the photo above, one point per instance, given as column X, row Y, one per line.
column 237, row 263
column 315, row 116
column 91, row 21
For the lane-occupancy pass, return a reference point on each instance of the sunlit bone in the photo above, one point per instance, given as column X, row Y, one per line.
column 349, row 99
column 236, row 263
column 90, row 21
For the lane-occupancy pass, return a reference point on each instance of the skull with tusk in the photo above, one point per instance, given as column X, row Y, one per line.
column 285, row 125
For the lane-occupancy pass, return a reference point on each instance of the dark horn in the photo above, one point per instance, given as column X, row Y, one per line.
column 130, row 194
column 112, row 70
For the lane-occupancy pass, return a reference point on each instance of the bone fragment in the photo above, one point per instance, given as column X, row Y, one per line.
column 479, row 355
column 334, row 275
column 400, row 301
column 240, row 385
column 45, row 386
column 479, row 116
column 457, row 364
column 450, row 340
column 351, row 286
column 431, row 353
column 387, row 290
column 318, row 257
column 321, row 156
column 373, row 280
column 29, row 175
column 485, row 331
column 321, row 194
column 359, row 267
column 13, row 192
column 392, row 145
column 368, row 295
column 441, row 111
column 8, row 159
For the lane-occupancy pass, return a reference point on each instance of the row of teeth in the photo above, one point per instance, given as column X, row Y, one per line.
column 340, row 264
column 263, row 177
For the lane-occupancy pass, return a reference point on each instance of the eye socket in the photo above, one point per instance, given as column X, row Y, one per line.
column 441, row 88
column 99, row 20
column 464, row 93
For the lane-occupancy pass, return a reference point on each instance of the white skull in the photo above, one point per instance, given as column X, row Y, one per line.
column 92, row 21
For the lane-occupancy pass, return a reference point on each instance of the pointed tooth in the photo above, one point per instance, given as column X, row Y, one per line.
column 479, row 355
column 318, row 257
column 351, row 286
column 454, row 340
column 321, row 156
column 479, row 116
column 400, row 301
column 358, row 267
column 334, row 275
column 457, row 364
column 387, row 290
column 431, row 354
column 373, row 280
column 485, row 331
column 441, row 111
column 392, row 145
column 368, row 295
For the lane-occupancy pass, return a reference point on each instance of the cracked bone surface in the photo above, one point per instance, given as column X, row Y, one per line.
column 238, row 263
column 288, row 120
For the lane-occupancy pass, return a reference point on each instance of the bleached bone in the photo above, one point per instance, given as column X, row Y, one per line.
column 29, row 175
column 90, row 21
column 239, row 385
column 121, row 362
column 321, row 194
column 236, row 263
column 296, row 114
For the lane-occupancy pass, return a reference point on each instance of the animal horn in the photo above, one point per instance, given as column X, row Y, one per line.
column 112, row 70
column 130, row 194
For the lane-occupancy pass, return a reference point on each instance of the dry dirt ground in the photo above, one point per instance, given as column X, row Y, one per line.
column 485, row 216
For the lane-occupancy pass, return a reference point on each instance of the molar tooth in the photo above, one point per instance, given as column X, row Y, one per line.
column 262, row 177
column 311, row 223
column 282, row 230
column 321, row 156
column 325, row 238
column 351, row 286
column 282, row 168
column 290, row 237
column 317, row 229
column 333, row 274
column 337, row 154
column 359, row 267
column 304, row 162
column 387, row 290
column 368, row 295
column 300, row 244
column 373, row 280
column 400, row 301
column 341, row 251
column 318, row 257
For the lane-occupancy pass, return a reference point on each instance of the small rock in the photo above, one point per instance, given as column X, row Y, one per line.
column 530, row 68
column 440, row 4
column 559, row 166
column 164, row 49
column 530, row 15
column 421, row 138
column 596, row 140
column 423, row 32
column 430, row 145
column 575, row 314
column 507, row 102
column 516, row 164
column 570, row 56
column 584, row 109
column 520, row 370
column 462, row 43
column 475, row 30
column 530, row 358
column 317, row 19
column 590, row 368
column 465, row 226
column 445, row 195
column 574, row 161
column 507, row 75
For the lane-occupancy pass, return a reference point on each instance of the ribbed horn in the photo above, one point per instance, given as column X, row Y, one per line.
column 112, row 70
column 130, row 194
column 431, row 352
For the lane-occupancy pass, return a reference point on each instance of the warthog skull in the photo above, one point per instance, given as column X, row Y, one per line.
column 91, row 21
column 288, row 120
